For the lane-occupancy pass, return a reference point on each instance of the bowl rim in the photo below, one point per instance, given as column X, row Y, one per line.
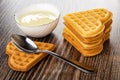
column 57, row 17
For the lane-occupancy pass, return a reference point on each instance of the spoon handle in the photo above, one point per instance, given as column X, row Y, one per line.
column 78, row 65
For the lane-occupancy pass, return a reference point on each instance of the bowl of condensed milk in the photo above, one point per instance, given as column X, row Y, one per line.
column 37, row 20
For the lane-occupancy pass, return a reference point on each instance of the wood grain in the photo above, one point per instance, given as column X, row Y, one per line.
column 50, row 68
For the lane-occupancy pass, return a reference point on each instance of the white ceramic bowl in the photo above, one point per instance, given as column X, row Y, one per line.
column 42, row 30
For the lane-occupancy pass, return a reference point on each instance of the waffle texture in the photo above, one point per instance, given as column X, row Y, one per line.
column 22, row 61
column 90, row 29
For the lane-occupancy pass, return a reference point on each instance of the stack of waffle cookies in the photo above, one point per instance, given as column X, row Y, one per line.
column 88, row 30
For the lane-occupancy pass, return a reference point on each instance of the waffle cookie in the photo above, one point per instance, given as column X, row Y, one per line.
column 21, row 61
column 88, row 30
column 89, row 23
column 83, row 45
column 85, row 40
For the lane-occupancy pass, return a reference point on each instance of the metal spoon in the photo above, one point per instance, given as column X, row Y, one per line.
column 27, row 45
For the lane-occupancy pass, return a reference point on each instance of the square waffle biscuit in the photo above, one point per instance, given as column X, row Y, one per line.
column 22, row 61
column 90, row 29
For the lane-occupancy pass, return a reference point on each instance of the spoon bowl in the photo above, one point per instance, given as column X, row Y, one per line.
column 27, row 45
column 24, row 43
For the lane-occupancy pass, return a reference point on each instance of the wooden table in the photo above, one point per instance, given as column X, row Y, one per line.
column 50, row 68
